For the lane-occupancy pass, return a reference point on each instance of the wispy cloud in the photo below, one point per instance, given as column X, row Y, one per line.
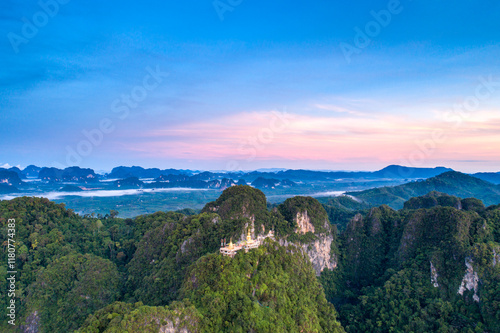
column 339, row 109
column 316, row 137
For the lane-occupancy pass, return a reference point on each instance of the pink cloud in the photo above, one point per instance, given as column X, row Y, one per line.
column 260, row 136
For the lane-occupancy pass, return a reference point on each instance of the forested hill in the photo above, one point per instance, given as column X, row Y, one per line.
column 432, row 266
column 452, row 182
column 71, row 267
column 269, row 289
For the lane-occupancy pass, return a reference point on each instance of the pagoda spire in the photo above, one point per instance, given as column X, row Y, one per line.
column 249, row 236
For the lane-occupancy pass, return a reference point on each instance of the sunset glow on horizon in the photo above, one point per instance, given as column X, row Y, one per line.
column 253, row 137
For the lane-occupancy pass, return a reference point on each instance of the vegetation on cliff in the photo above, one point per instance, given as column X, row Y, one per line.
column 70, row 289
column 432, row 266
column 420, row 269
column 121, row 317
column 269, row 289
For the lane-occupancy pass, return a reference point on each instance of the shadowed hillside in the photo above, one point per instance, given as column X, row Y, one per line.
column 452, row 183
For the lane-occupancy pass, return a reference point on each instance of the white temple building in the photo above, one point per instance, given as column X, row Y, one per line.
column 250, row 243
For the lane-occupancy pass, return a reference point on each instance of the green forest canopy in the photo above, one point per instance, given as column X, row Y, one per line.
column 112, row 273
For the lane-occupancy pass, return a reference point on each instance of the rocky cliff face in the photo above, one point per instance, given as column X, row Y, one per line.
column 304, row 223
column 319, row 250
column 434, row 276
column 470, row 281
column 32, row 323
column 170, row 327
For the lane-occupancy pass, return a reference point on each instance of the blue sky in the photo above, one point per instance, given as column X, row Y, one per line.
column 230, row 80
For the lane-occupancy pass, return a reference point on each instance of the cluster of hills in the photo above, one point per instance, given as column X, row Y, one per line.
column 138, row 177
column 334, row 266
column 452, row 182
column 363, row 187
column 78, row 185
column 86, row 175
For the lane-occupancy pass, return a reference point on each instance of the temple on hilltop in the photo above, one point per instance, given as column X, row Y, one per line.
column 250, row 243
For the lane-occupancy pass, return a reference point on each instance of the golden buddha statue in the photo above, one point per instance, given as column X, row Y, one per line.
column 249, row 237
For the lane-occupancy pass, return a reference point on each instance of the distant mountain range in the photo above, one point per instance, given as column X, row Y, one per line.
column 451, row 182
column 270, row 183
column 138, row 177
column 72, row 174
column 492, row 177
column 30, row 171
column 10, row 177
column 139, row 172
column 122, row 172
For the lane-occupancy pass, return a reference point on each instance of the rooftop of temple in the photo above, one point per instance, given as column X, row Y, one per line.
column 231, row 249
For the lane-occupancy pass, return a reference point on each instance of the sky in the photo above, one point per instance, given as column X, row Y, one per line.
column 242, row 85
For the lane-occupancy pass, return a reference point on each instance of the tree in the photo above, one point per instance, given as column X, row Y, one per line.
column 70, row 289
